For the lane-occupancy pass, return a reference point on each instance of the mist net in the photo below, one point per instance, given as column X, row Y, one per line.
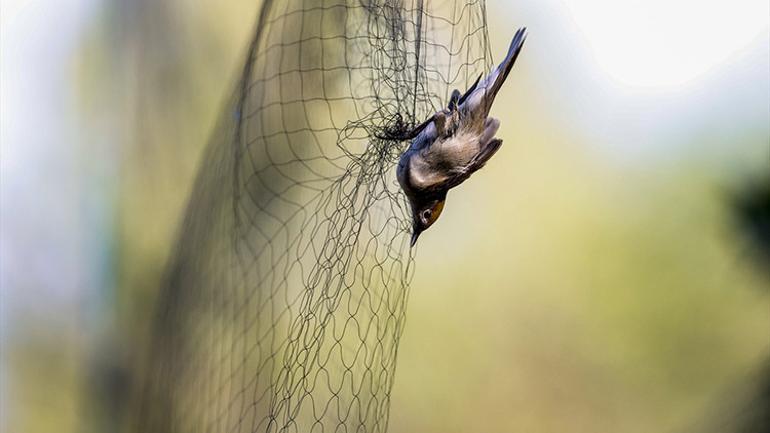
column 284, row 298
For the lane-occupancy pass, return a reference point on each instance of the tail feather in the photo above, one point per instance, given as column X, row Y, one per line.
column 498, row 77
column 478, row 99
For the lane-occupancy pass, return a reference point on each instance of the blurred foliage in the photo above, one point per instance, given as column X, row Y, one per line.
column 163, row 64
column 752, row 215
column 563, row 290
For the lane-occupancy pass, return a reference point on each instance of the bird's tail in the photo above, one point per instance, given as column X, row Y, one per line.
column 498, row 76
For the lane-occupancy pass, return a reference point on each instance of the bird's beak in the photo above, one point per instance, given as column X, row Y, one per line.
column 415, row 234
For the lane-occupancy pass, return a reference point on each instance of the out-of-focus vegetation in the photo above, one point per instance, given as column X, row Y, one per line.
column 573, row 285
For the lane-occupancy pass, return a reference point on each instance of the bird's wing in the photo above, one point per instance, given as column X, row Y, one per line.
column 470, row 90
column 439, row 180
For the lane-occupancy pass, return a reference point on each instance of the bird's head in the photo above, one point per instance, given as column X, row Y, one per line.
column 424, row 214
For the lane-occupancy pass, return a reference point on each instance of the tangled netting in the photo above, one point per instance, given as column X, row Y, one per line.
column 284, row 298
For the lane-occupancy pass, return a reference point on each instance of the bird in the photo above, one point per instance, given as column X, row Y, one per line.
column 452, row 144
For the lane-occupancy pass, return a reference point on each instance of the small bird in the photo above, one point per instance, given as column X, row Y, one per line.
column 452, row 144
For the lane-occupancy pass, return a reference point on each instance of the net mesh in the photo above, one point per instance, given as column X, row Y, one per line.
column 285, row 295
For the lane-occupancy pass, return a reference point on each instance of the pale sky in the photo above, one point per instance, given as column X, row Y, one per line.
column 637, row 76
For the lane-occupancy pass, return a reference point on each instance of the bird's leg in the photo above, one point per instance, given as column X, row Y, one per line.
column 454, row 99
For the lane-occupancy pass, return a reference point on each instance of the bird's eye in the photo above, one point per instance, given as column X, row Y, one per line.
column 426, row 215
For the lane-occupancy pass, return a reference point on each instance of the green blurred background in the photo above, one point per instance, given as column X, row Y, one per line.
column 596, row 278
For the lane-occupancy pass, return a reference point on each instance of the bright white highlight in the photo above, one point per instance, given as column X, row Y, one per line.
column 666, row 43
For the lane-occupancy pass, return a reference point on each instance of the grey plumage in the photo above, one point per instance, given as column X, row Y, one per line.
column 453, row 144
